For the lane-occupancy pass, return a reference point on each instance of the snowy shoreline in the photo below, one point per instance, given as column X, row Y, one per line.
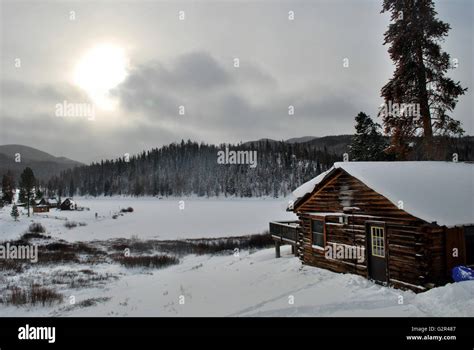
column 153, row 218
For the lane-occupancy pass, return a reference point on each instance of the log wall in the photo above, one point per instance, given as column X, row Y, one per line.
column 416, row 251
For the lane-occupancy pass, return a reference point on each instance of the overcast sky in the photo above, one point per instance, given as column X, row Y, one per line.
column 190, row 63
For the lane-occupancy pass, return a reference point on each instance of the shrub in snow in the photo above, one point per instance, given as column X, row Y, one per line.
column 72, row 224
column 153, row 261
column 11, row 265
column 126, row 210
column 36, row 227
column 33, row 296
column 259, row 241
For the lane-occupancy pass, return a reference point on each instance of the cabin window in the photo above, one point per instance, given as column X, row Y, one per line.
column 378, row 241
column 317, row 228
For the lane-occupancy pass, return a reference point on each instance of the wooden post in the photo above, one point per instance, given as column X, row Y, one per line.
column 277, row 249
column 293, row 249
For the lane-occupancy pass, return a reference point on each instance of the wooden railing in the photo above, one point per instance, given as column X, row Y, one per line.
column 285, row 230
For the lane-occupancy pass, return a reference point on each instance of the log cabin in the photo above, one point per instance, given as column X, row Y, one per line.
column 50, row 202
column 68, row 204
column 403, row 224
column 40, row 209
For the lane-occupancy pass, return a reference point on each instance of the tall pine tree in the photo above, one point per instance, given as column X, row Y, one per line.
column 27, row 186
column 8, row 187
column 420, row 77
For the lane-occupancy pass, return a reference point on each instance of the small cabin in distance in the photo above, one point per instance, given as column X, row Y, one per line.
column 68, row 204
column 404, row 224
column 49, row 202
column 40, row 208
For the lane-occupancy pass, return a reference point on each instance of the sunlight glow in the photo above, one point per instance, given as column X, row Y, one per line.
column 101, row 69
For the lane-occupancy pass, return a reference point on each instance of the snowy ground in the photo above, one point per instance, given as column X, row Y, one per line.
column 154, row 218
column 254, row 284
column 251, row 284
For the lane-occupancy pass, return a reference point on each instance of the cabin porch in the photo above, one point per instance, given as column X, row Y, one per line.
column 285, row 232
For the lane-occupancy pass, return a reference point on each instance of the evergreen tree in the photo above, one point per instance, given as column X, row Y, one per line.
column 72, row 189
column 38, row 192
column 27, row 186
column 419, row 77
column 8, row 187
column 188, row 168
column 22, row 196
column 15, row 213
column 368, row 144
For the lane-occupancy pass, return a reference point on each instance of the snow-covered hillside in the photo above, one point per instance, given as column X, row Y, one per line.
column 254, row 284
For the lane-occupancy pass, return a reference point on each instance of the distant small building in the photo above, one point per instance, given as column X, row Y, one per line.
column 68, row 204
column 53, row 202
column 41, row 209
column 50, row 202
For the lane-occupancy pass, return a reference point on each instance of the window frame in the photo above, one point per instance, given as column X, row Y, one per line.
column 381, row 238
column 323, row 224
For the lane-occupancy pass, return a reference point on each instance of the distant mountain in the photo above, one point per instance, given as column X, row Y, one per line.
column 336, row 144
column 301, row 139
column 259, row 141
column 44, row 165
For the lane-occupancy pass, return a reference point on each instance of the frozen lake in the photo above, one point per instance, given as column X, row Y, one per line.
column 154, row 218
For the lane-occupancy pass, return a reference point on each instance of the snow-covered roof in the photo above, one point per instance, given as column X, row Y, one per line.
column 432, row 191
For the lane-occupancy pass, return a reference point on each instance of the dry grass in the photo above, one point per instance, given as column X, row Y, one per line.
column 34, row 295
column 65, row 252
column 80, row 279
column 11, row 265
column 194, row 246
column 87, row 303
column 72, row 224
column 31, row 235
column 153, row 261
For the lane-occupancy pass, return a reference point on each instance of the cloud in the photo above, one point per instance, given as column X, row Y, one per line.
column 159, row 88
column 14, row 89
column 224, row 101
column 222, row 104
column 198, row 70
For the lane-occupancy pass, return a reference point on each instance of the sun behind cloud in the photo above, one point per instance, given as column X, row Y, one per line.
column 99, row 70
